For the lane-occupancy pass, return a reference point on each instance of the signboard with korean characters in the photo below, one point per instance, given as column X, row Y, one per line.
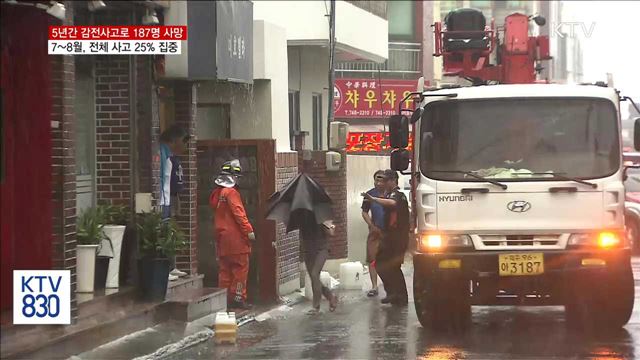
column 370, row 143
column 371, row 98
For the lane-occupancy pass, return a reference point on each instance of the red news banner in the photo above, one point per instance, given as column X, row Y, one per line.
column 116, row 40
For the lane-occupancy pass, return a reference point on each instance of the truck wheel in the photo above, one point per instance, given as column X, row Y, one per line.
column 441, row 307
column 619, row 294
column 427, row 304
column 607, row 305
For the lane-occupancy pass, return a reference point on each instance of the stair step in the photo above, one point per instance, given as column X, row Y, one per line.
column 192, row 304
column 182, row 284
column 87, row 334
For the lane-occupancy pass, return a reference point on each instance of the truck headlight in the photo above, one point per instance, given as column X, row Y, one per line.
column 604, row 239
column 437, row 242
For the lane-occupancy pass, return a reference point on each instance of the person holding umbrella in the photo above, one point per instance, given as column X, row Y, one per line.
column 316, row 253
column 304, row 205
column 234, row 235
column 395, row 241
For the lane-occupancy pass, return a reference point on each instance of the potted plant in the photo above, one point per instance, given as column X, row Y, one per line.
column 159, row 240
column 90, row 234
column 116, row 218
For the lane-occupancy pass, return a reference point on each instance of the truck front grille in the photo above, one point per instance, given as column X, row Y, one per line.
column 520, row 240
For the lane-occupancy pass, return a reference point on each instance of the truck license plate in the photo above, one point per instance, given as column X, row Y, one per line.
column 521, row 264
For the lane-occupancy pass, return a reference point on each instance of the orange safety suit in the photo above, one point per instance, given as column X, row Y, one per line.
column 232, row 246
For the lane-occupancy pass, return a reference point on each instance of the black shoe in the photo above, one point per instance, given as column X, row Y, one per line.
column 400, row 301
column 387, row 300
column 240, row 305
column 372, row 293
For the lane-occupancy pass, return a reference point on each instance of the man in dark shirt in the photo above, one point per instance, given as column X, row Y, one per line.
column 395, row 241
column 375, row 221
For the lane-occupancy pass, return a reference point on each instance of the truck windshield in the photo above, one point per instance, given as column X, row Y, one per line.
column 520, row 139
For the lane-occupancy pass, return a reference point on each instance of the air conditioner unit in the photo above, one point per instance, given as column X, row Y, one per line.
column 338, row 135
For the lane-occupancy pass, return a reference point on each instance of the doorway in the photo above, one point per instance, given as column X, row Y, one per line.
column 257, row 158
column 85, row 134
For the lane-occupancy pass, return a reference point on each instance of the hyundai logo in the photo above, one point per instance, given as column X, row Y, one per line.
column 519, row 206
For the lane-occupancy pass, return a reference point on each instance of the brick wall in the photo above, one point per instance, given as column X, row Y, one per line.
column 185, row 115
column 335, row 183
column 147, row 128
column 63, row 166
column 288, row 245
column 112, row 130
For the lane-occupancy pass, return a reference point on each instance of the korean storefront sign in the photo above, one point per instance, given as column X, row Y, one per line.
column 370, row 143
column 371, row 98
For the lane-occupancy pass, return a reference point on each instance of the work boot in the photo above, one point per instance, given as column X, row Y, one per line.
column 388, row 299
column 400, row 301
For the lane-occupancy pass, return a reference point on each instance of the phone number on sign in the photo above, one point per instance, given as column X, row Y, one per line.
column 115, row 47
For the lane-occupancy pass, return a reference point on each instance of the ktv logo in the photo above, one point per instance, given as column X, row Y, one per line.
column 41, row 297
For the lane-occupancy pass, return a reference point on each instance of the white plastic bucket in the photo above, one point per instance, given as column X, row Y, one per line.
column 351, row 275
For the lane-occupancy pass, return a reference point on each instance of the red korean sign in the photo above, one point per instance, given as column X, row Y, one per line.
column 370, row 142
column 369, row 98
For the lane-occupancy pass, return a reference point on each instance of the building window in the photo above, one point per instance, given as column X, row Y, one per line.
column 446, row 6
column 317, row 121
column 481, row 4
column 515, row 4
column 294, row 115
column 402, row 16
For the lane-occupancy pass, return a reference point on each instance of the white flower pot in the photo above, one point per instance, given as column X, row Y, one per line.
column 115, row 233
column 85, row 267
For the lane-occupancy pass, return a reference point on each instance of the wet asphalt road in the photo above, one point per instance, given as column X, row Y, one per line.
column 362, row 328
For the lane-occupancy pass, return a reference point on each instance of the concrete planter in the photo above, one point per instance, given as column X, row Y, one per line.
column 115, row 233
column 86, row 267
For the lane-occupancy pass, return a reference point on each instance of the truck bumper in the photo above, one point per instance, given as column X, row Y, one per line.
column 562, row 269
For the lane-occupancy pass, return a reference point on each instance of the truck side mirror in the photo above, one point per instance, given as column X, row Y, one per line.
column 417, row 115
column 400, row 159
column 636, row 134
column 540, row 20
column 399, row 131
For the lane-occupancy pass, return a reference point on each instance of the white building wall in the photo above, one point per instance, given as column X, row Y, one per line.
column 258, row 111
column 306, row 23
column 271, row 62
column 309, row 74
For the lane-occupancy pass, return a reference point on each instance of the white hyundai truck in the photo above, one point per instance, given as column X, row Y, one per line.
column 518, row 199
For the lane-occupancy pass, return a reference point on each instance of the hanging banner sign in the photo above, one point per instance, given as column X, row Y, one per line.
column 369, row 98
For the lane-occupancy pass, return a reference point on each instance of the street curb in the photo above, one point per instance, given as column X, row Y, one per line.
column 204, row 335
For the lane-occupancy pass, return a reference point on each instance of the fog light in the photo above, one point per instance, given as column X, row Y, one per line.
column 593, row 262
column 608, row 239
column 450, row 264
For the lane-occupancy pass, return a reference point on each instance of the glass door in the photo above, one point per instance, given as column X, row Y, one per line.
column 85, row 134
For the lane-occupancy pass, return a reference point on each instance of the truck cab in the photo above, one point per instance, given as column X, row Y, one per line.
column 518, row 200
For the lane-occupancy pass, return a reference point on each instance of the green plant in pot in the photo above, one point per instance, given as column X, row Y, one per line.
column 159, row 239
column 90, row 235
column 116, row 218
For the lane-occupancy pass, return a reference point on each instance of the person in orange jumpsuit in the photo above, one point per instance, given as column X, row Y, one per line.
column 234, row 235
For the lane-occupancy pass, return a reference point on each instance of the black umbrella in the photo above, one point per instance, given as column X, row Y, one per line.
column 300, row 195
